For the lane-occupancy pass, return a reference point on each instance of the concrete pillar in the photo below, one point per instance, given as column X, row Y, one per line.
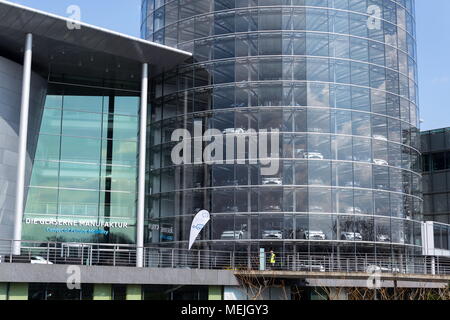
column 142, row 168
column 22, row 151
column 18, row 291
column 134, row 292
column 3, row 291
column 102, row 292
column 215, row 293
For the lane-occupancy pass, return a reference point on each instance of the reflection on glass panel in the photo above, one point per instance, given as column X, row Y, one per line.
column 123, row 152
column 382, row 204
column 45, row 174
column 363, row 202
column 53, row 101
column 83, row 103
column 48, row 147
column 342, row 174
column 51, row 121
column 343, row 201
column 319, row 173
column 319, row 147
column 126, row 105
column 81, row 124
column 79, row 176
column 42, row 201
column 318, row 120
column 120, row 127
column 78, row 203
column 321, row 227
column 362, row 175
column 79, row 149
column 117, row 178
column 122, row 204
column 319, row 200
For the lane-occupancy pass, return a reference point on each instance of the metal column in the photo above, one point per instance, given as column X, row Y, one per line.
column 142, row 169
column 23, row 135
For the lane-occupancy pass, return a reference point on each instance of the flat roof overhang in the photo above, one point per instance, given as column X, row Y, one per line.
column 89, row 50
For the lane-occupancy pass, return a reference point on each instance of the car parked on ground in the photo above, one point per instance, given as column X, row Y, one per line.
column 39, row 260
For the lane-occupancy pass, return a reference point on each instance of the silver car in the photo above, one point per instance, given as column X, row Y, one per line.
column 315, row 235
column 351, row 236
column 233, row 235
column 380, row 162
column 383, row 238
column 272, row 234
column 234, row 131
column 313, row 155
column 272, row 181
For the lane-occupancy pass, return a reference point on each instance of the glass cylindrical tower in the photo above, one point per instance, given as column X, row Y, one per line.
column 337, row 78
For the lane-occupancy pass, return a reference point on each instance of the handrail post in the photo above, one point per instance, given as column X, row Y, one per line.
column 173, row 258
column 48, row 251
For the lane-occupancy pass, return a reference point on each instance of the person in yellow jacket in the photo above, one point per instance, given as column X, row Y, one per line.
column 272, row 259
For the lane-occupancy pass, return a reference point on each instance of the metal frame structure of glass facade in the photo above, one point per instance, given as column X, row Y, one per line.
column 341, row 87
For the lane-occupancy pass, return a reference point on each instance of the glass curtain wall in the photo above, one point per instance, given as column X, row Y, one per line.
column 338, row 78
column 83, row 185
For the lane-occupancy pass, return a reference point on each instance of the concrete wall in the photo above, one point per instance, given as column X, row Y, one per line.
column 10, row 98
column 29, row 273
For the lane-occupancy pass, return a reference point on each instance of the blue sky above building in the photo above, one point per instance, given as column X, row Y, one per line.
column 433, row 46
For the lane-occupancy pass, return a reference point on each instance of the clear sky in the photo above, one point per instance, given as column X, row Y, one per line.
column 433, row 36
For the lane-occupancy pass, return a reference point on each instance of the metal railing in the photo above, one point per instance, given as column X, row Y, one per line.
column 124, row 255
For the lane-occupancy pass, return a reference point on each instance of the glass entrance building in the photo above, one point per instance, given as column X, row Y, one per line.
column 337, row 78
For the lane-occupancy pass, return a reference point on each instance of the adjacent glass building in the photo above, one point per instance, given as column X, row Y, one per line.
column 436, row 174
column 338, row 78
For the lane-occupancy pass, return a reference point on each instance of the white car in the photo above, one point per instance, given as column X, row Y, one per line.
column 353, row 210
column 351, row 236
column 233, row 235
column 382, row 269
column 316, row 181
column 272, row 234
column 39, row 260
column 231, row 209
column 380, row 137
column 310, row 267
column 383, row 238
column 380, row 162
column 315, row 235
column 313, row 155
column 351, row 184
column 274, row 207
column 316, row 209
column 275, row 181
column 233, row 131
